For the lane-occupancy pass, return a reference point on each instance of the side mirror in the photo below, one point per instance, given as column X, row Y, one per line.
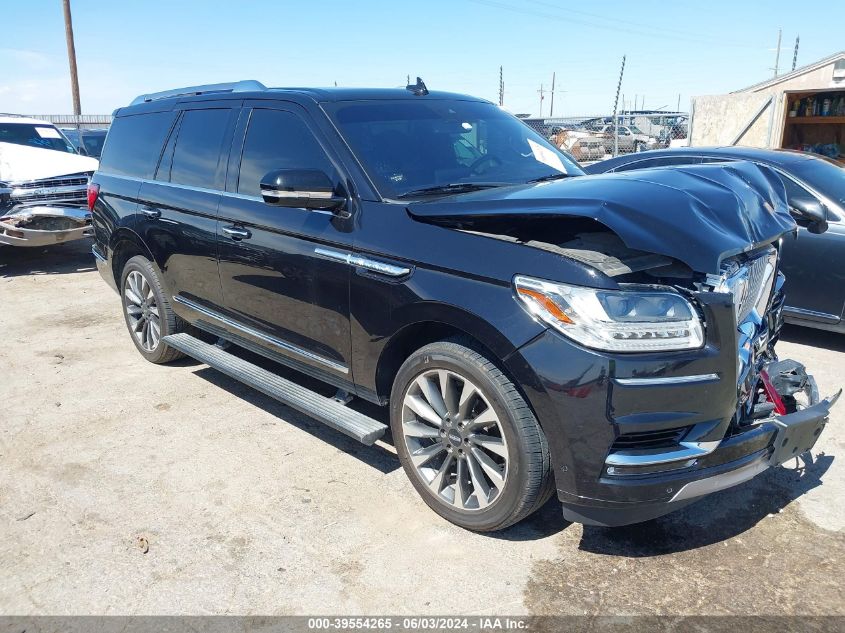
column 809, row 213
column 300, row 188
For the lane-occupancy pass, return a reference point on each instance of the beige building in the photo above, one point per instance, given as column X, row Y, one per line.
column 797, row 110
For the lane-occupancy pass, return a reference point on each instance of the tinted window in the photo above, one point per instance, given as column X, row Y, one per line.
column 277, row 140
column 134, row 144
column 41, row 136
column 198, row 145
column 824, row 175
column 93, row 142
column 794, row 190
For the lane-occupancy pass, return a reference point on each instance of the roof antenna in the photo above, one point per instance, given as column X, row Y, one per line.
column 418, row 88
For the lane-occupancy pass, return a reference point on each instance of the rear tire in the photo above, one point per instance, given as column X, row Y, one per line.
column 148, row 314
column 467, row 439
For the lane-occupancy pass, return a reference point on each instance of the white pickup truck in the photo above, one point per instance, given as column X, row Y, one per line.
column 43, row 185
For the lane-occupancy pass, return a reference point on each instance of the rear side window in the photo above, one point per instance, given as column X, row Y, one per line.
column 134, row 144
column 277, row 140
column 198, row 148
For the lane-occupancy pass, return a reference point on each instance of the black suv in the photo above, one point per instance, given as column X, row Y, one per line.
column 531, row 329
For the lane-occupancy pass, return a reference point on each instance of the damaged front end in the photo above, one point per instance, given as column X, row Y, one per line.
column 690, row 411
column 45, row 211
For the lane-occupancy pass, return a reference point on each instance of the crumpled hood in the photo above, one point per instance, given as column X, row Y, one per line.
column 698, row 214
column 21, row 162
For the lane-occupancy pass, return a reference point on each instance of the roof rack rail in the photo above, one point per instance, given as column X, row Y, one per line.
column 237, row 86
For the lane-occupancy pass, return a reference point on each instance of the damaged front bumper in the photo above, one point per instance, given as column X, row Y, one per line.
column 636, row 436
column 44, row 225
column 736, row 459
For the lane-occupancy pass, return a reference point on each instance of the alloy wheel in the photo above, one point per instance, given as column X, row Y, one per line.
column 455, row 440
column 142, row 311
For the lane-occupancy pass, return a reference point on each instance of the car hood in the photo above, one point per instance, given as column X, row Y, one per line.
column 21, row 162
column 699, row 214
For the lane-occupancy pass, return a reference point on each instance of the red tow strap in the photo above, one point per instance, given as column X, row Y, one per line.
column 771, row 393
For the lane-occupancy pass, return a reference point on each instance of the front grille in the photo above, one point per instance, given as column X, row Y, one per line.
column 665, row 438
column 72, row 197
column 761, row 276
column 750, row 283
column 71, row 189
column 80, row 179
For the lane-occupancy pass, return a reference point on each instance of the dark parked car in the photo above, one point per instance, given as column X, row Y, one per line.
column 527, row 328
column 812, row 263
column 87, row 142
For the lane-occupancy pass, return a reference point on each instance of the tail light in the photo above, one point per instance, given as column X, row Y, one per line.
column 93, row 194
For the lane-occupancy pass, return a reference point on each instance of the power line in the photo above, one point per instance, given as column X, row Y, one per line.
column 646, row 32
column 606, row 18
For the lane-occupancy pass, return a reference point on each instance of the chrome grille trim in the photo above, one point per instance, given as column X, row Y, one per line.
column 69, row 189
column 751, row 283
column 60, row 181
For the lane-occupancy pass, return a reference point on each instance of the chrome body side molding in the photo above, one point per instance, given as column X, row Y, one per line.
column 383, row 268
column 666, row 380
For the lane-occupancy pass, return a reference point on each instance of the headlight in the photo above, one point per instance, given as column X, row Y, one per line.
column 635, row 319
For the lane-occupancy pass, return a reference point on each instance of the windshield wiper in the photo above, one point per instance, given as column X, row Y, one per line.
column 551, row 177
column 455, row 187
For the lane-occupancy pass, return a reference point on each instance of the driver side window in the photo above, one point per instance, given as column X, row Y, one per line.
column 795, row 191
column 277, row 139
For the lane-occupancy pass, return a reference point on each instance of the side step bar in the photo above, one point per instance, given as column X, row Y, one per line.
column 327, row 410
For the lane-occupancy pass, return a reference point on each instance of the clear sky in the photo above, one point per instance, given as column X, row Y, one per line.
column 685, row 47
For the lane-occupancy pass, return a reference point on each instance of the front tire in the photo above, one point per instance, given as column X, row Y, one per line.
column 467, row 440
column 147, row 312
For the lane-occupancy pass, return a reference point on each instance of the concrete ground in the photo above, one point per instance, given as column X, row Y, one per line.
column 130, row 488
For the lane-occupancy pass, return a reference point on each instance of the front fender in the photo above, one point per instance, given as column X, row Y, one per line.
column 391, row 320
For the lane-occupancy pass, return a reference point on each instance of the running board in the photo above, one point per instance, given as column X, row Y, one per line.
column 327, row 410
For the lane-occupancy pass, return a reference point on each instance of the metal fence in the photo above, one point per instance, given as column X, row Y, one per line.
column 83, row 121
column 593, row 138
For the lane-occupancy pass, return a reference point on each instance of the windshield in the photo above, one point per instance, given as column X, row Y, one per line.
column 407, row 146
column 824, row 175
column 43, row 136
column 635, row 129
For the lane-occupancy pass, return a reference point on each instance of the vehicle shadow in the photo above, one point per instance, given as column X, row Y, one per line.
column 718, row 517
column 813, row 337
column 545, row 522
column 73, row 257
column 375, row 456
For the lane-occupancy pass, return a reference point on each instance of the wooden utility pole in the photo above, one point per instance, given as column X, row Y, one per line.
column 71, row 56
column 795, row 54
column 552, row 106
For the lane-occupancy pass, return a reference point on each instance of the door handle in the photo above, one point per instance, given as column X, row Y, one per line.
column 236, row 233
column 153, row 214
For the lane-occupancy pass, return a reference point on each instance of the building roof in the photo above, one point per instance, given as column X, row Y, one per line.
column 795, row 73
